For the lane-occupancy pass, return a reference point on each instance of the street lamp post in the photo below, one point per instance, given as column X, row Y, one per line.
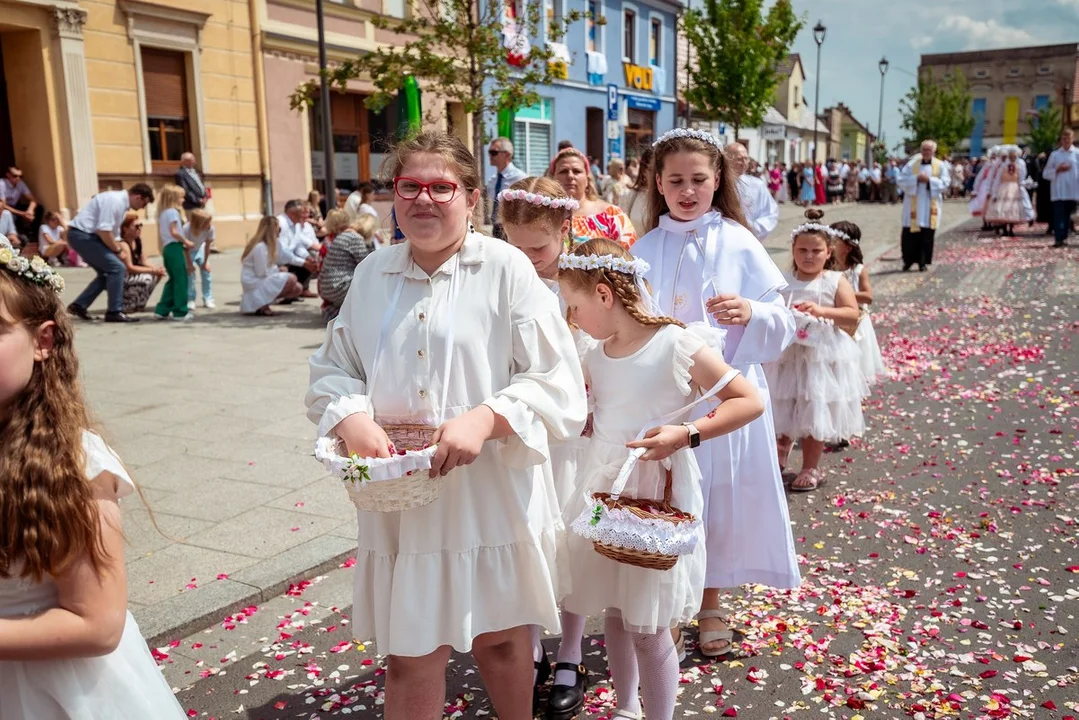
column 818, row 35
column 883, row 65
column 324, row 101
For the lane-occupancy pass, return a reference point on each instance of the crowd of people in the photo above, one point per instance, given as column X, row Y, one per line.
column 829, row 183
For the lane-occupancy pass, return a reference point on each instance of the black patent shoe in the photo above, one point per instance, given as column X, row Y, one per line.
column 543, row 674
column 80, row 312
column 119, row 317
column 566, row 701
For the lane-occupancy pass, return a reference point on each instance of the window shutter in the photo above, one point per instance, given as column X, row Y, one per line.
column 164, row 80
column 533, row 146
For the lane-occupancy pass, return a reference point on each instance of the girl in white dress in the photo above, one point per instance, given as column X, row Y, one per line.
column 536, row 214
column 817, row 384
column 69, row 650
column 646, row 366
column 848, row 258
column 453, row 324
column 708, row 267
column 263, row 282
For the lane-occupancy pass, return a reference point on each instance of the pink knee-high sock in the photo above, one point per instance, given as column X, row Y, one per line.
column 658, row 663
column 622, row 662
column 569, row 649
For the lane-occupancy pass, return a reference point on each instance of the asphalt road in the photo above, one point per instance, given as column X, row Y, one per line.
column 941, row 564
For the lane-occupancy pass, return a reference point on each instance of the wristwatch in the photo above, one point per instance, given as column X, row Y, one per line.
column 694, row 435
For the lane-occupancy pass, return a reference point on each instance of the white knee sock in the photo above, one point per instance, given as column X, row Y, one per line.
column 658, row 663
column 622, row 662
column 569, row 650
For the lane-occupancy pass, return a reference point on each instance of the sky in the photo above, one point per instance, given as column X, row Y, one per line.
column 859, row 32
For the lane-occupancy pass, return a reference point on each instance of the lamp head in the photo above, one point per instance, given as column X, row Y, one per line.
column 883, row 65
column 818, row 32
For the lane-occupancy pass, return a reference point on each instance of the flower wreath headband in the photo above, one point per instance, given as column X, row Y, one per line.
column 817, row 227
column 635, row 267
column 35, row 270
column 539, row 199
column 688, row 133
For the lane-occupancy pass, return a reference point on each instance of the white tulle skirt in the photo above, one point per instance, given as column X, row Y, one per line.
column 123, row 684
column 649, row 600
column 872, row 360
column 817, row 386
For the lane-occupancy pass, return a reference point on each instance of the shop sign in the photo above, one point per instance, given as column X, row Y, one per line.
column 638, row 77
column 773, row 132
column 642, row 103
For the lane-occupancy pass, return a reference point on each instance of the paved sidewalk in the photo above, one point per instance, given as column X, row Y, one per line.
column 209, row 417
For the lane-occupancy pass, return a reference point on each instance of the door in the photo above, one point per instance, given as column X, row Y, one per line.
column 594, row 120
column 7, row 144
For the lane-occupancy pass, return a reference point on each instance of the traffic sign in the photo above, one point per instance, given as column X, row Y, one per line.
column 614, row 130
column 612, row 102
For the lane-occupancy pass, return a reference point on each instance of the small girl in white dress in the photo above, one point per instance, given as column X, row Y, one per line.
column 646, row 367
column 848, row 258
column 69, row 650
column 817, row 385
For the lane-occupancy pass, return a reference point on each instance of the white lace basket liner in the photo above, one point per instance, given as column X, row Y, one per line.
column 643, row 532
column 401, row 481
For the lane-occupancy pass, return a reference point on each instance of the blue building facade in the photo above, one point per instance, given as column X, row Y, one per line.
column 618, row 88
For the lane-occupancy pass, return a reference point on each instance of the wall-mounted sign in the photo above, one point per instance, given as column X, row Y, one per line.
column 559, row 70
column 614, row 130
column 638, row 77
column 773, row 132
column 612, row 102
column 643, row 103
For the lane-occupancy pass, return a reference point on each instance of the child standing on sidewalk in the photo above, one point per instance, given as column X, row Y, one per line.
column 848, row 257
column 199, row 230
column 817, row 385
column 174, row 247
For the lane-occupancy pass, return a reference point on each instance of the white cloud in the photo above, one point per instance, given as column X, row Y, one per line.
column 987, row 34
column 1073, row 4
column 920, row 41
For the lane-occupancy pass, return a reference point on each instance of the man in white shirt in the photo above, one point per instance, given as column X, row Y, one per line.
column 758, row 205
column 15, row 195
column 7, row 228
column 1062, row 171
column 297, row 245
column 500, row 153
column 922, row 180
column 93, row 235
column 875, row 177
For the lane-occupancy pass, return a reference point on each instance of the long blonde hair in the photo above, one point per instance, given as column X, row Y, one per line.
column 171, row 197
column 265, row 233
column 590, row 190
column 48, row 517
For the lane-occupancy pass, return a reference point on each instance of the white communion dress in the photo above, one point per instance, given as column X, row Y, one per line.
column 483, row 556
column 628, row 392
column 817, row 385
column 866, row 336
column 747, row 526
column 262, row 281
column 123, row 685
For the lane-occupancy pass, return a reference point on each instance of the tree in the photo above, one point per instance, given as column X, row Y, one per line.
column 736, row 51
column 473, row 52
column 1045, row 128
column 938, row 111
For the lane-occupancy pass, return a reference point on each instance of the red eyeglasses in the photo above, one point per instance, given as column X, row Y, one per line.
column 440, row 191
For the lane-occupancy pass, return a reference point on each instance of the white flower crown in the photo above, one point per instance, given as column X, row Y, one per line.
column 635, row 266
column 688, row 133
column 539, row 199
column 817, row 227
column 840, row 235
column 35, row 270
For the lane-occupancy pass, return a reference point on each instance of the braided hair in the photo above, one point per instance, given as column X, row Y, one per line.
column 623, row 285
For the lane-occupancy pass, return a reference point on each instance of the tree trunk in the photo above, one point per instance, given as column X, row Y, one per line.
column 737, row 130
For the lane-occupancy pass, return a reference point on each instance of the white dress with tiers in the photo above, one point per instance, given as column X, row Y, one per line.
column 628, row 392
column 866, row 336
column 482, row 557
column 123, row 685
column 747, row 526
column 818, row 385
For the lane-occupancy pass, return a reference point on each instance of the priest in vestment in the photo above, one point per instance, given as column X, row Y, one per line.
column 923, row 181
column 758, row 205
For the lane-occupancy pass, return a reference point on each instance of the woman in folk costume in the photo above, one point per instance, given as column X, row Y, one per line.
column 474, row 568
column 707, row 266
column 980, row 198
column 1009, row 203
column 923, row 181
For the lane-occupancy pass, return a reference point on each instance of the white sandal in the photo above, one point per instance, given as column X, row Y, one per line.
column 706, row 637
column 626, row 714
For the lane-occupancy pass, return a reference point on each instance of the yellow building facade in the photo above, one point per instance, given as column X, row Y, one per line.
column 101, row 94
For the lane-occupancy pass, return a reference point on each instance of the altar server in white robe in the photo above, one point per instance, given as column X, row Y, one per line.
column 706, row 266
column 923, row 180
column 758, row 205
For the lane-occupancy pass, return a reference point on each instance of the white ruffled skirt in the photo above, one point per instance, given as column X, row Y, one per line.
column 126, row 683
column 650, row 600
column 817, row 386
column 872, row 360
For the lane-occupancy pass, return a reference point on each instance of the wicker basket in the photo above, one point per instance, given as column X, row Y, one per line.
column 404, row 493
column 852, row 330
column 645, row 510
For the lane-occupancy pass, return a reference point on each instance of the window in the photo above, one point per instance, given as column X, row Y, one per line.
column 394, row 8
column 1014, row 72
column 532, row 138
column 164, row 77
column 629, row 35
column 655, row 34
column 981, row 73
column 593, row 37
column 1045, row 69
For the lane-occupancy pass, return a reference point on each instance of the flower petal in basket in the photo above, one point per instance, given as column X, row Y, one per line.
column 364, row 470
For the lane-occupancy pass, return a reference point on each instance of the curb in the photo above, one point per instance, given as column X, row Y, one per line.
column 189, row 612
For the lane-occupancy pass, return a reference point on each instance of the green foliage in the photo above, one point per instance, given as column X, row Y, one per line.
column 735, row 52
column 454, row 47
column 938, row 110
column 1045, row 129
column 880, row 152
